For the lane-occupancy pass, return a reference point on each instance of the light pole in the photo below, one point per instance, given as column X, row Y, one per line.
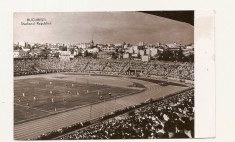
column 115, row 104
column 104, row 105
column 90, row 110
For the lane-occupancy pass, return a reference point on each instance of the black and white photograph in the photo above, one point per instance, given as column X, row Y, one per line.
column 103, row 75
column 106, row 70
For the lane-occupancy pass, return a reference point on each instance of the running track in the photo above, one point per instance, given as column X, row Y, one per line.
column 32, row 129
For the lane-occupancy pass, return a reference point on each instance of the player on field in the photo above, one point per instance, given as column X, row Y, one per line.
column 27, row 105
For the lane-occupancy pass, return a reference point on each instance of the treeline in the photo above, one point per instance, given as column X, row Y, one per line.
column 168, row 55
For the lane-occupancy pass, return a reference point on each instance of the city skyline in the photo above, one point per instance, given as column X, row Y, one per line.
column 101, row 27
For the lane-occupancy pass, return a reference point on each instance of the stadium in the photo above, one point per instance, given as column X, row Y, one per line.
column 102, row 99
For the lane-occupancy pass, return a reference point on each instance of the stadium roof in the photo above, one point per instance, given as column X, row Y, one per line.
column 182, row 16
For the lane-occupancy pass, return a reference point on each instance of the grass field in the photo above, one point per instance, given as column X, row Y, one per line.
column 41, row 110
column 47, row 95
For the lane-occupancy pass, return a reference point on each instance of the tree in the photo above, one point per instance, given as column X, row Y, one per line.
column 57, row 54
column 85, row 53
column 166, row 55
column 71, row 50
column 114, row 55
column 79, row 53
column 180, row 55
column 28, row 46
column 95, row 55
column 63, row 48
column 17, row 47
column 191, row 58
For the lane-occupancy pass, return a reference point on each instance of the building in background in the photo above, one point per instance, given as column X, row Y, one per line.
column 145, row 58
column 20, row 54
column 126, row 56
column 105, row 55
column 65, row 55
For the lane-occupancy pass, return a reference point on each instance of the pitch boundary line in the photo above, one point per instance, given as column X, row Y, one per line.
column 32, row 108
column 100, row 101
column 148, row 87
column 76, row 107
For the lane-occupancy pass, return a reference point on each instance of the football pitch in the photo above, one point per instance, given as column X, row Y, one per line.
column 40, row 96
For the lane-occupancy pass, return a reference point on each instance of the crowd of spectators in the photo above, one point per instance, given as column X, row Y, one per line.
column 36, row 66
column 22, row 67
column 179, row 71
column 171, row 117
column 167, row 69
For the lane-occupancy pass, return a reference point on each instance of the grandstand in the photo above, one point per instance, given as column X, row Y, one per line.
column 83, row 98
column 168, row 118
column 166, row 69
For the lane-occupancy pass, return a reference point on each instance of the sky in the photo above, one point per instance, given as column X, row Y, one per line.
column 102, row 27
